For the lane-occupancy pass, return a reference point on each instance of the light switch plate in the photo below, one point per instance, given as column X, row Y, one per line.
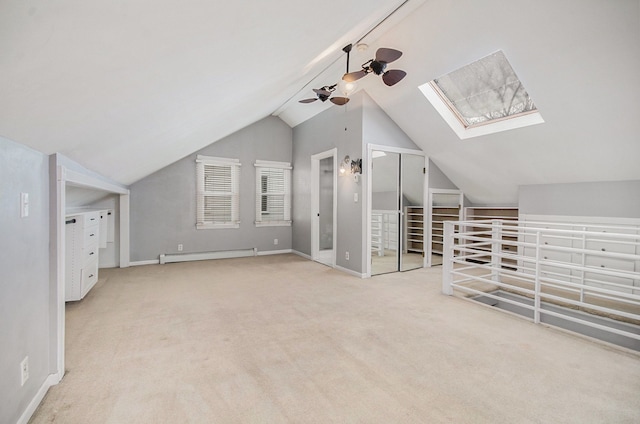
column 24, row 205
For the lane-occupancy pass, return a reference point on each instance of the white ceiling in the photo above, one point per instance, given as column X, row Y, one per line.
column 126, row 88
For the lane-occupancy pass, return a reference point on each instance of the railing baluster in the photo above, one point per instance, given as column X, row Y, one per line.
column 536, row 311
column 447, row 259
column 496, row 249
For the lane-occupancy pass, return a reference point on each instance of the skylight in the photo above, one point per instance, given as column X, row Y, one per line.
column 483, row 97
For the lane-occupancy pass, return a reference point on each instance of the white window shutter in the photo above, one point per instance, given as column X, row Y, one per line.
column 218, row 193
column 273, row 193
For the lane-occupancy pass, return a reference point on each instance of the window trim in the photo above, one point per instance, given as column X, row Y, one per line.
column 286, row 166
column 235, row 165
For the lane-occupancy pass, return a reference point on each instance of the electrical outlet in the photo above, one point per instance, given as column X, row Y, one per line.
column 275, row 242
column 180, row 247
column 346, row 255
column 24, row 370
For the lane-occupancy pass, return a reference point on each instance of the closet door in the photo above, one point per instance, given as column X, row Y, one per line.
column 385, row 213
column 412, row 207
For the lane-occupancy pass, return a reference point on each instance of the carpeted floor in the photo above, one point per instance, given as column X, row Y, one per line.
column 279, row 339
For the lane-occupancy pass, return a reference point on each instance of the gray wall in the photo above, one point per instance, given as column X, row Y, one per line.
column 163, row 205
column 385, row 200
column 366, row 124
column 24, row 276
column 379, row 128
column 324, row 132
column 437, row 178
column 600, row 199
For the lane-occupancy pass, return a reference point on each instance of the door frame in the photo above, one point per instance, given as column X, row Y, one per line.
column 390, row 149
column 315, row 204
column 63, row 177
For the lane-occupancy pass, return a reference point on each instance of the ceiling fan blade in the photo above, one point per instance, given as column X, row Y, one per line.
column 387, row 55
column 393, row 76
column 339, row 100
column 353, row 76
column 308, row 100
column 321, row 92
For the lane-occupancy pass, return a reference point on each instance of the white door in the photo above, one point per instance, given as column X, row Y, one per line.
column 324, row 207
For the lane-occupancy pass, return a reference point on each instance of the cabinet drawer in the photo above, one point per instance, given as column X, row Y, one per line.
column 607, row 246
column 556, row 240
column 89, row 276
column 90, row 253
column 609, row 263
column 91, row 219
column 91, row 235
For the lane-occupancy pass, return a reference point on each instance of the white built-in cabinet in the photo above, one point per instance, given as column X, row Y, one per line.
column 597, row 240
column 86, row 233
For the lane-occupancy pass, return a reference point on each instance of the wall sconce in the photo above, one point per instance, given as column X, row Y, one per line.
column 348, row 166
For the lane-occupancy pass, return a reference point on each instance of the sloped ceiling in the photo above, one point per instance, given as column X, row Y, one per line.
column 580, row 62
column 126, row 88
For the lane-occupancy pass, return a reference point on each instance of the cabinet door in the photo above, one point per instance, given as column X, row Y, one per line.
column 89, row 277
column 74, row 240
column 104, row 229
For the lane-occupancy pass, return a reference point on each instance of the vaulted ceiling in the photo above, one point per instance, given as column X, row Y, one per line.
column 126, row 88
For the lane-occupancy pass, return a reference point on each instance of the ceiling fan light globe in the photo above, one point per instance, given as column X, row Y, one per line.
column 347, row 88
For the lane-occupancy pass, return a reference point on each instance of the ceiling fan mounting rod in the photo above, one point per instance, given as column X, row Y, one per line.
column 347, row 50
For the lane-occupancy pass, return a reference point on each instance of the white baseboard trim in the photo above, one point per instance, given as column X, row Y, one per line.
column 351, row 272
column 51, row 380
column 139, row 263
column 274, row 252
column 304, row 255
column 229, row 254
column 166, row 258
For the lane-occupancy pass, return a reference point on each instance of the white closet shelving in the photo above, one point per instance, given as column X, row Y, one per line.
column 440, row 214
column 414, row 229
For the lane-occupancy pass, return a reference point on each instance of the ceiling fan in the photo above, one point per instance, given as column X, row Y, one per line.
column 323, row 94
column 378, row 66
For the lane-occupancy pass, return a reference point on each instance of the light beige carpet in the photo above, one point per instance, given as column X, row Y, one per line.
column 283, row 340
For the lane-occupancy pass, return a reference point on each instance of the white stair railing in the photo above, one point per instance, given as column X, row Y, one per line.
column 594, row 270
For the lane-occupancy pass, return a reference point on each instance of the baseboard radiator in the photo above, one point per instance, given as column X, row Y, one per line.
column 166, row 258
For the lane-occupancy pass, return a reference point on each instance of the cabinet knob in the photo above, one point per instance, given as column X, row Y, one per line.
column 91, row 253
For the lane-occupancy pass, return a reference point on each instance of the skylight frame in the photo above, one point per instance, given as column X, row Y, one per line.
column 459, row 124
